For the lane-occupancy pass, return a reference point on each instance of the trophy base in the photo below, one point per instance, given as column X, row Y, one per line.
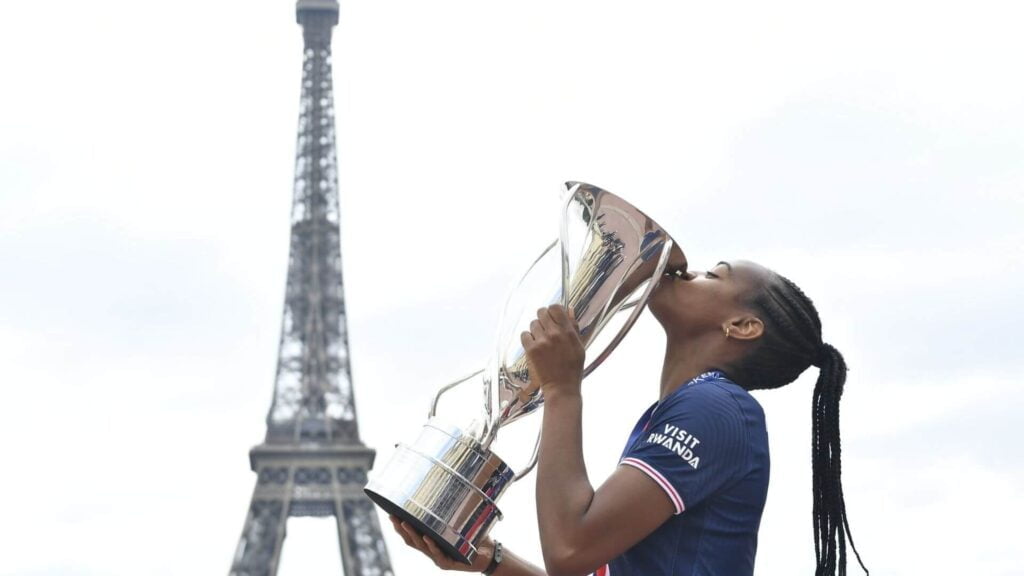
column 414, row 520
column 446, row 486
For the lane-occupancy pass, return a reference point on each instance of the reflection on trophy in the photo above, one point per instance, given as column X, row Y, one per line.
column 608, row 259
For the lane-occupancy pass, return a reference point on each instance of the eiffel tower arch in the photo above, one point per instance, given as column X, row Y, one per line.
column 312, row 461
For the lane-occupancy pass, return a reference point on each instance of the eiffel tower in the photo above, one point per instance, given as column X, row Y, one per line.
column 312, row 462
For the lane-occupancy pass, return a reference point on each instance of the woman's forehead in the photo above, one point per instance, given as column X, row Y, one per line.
column 745, row 267
column 746, row 271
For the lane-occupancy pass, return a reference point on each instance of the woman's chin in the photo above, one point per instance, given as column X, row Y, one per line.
column 656, row 306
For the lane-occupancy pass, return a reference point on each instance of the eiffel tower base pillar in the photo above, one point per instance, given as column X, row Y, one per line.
column 259, row 548
column 311, row 481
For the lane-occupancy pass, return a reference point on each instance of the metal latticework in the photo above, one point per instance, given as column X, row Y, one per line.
column 313, row 391
column 312, row 462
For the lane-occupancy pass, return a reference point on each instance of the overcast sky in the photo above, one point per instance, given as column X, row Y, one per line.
column 871, row 152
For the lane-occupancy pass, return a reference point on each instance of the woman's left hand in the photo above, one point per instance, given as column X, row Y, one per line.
column 431, row 550
column 554, row 351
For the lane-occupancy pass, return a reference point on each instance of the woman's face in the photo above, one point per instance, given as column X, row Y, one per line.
column 690, row 303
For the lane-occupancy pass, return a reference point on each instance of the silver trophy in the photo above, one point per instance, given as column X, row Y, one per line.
column 447, row 483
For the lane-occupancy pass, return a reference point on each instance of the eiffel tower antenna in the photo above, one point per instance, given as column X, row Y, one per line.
column 312, row 462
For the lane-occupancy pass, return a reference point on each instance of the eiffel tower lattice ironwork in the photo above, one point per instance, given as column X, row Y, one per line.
column 312, row 462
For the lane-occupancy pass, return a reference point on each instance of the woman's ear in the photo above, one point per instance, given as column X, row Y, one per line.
column 747, row 327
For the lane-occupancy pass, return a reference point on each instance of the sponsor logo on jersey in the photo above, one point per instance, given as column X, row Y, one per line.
column 679, row 441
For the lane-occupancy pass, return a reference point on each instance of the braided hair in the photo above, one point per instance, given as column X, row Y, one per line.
column 792, row 342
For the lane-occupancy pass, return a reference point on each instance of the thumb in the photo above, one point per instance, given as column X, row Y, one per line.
column 483, row 557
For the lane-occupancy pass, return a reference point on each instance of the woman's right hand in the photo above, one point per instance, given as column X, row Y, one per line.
column 427, row 546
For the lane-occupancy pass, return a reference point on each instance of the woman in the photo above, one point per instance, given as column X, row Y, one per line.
column 688, row 494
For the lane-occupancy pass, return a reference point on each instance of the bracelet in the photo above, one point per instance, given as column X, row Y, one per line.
column 495, row 560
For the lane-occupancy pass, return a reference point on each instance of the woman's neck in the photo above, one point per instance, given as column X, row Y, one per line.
column 684, row 362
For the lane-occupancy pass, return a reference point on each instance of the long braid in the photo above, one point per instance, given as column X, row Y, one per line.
column 790, row 344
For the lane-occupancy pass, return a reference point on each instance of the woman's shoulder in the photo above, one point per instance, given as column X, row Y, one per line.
column 714, row 390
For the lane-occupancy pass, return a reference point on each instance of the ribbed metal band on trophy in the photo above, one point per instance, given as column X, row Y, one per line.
column 608, row 259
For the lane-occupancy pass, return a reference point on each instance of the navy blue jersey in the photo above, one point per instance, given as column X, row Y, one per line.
column 706, row 446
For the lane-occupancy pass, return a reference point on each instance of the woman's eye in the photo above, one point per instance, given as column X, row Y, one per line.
column 710, row 275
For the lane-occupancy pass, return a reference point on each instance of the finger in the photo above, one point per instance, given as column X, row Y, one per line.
column 407, row 533
column 536, row 328
column 415, row 538
column 572, row 318
column 526, row 339
column 547, row 320
column 559, row 316
column 439, row 557
column 398, row 528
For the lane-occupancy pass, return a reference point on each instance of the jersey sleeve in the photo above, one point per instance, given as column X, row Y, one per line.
column 694, row 444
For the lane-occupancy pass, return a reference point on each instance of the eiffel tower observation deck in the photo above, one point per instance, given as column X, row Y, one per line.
column 312, row 461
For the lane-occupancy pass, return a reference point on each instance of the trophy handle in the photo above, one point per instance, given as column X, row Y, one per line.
column 440, row 392
column 533, row 459
column 662, row 262
column 491, row 428
column 508, row 301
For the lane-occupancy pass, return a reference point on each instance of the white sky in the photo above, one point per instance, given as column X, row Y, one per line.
column 871, row 152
